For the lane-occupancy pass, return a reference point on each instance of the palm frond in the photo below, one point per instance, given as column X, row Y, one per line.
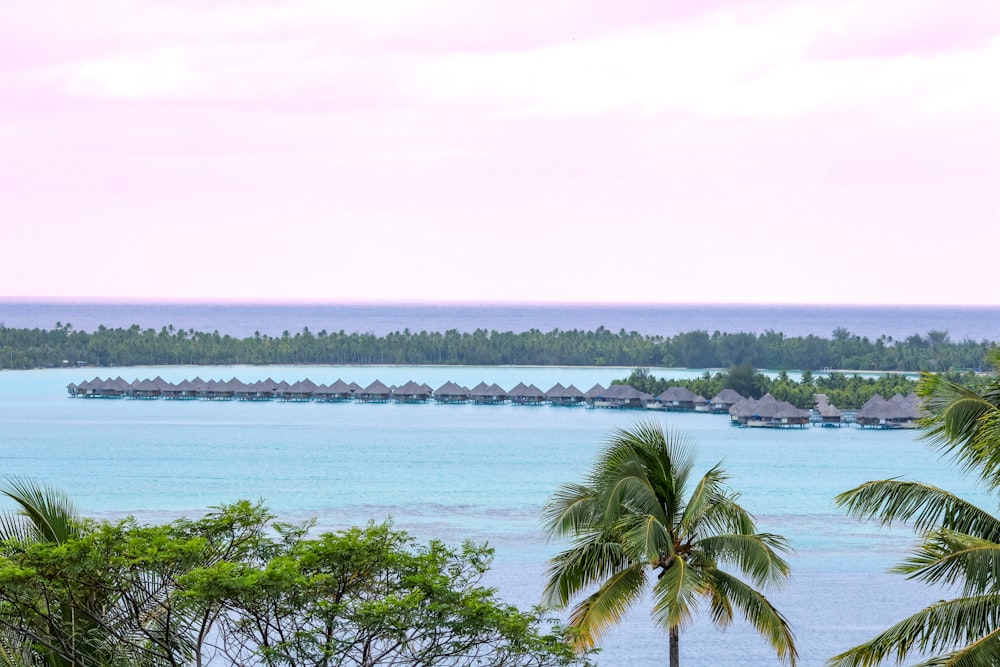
column 725, row 515
column 584, row 565
column 632, row 494
column 50, row 512
column 941, row 627
column 926, row 507
column 676, row 593
column 947, row 557
column 703, row 498
column 982, row 653
column 757, row 555
column 646, row 536
column 964, row 424
column 571, row 509
column 603, row 609
column 758, row 610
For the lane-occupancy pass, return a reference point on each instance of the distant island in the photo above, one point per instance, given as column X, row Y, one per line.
column 64, row 346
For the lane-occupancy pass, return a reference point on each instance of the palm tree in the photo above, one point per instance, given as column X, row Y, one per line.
column 44, row 515
column 960, row 543
column 640, row 518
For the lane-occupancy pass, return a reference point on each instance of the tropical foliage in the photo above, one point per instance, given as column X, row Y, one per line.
column 133, row 346
column 959, row 546
column 237, row 587
column 642, row 520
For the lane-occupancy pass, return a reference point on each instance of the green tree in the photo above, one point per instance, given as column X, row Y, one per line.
column 641, row 518
column 237, row 587
column 960, row 543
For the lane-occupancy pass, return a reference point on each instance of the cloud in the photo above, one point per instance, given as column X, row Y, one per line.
column 779, row 60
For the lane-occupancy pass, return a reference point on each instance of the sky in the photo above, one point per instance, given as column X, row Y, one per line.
column 694, row 151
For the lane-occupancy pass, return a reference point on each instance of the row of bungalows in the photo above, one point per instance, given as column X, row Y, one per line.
column 339, row 391
column 896, row 412
column 673, row 399
column 615, row 396
column 767, row 412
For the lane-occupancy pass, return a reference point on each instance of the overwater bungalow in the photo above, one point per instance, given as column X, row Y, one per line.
column 829, row 414
column 767, row 412
column 825, row 413
column 594, row 393
column 299, row 391
column 253, row 391
column 622, row 396
column 376, row 392
column 488, row 394
column 84, row 389
column 523, row 394
column 564, row 396
column 176, row 392
column 676, row 399
column 724, row 400
column 897, row 412
column 337, row 392
column 147, row 389
column 116, row 388
column 411, row 392
column 450, row 393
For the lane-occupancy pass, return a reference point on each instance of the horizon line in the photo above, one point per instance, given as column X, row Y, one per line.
column 269, row 301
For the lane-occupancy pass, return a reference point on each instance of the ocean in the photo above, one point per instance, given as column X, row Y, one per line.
column 460, row 472
column 244, row 319
column 483, row 472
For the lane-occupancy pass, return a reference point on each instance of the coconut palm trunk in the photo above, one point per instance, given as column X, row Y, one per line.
column 675, row 647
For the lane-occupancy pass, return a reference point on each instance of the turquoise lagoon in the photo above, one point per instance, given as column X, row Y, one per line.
column 478, row 472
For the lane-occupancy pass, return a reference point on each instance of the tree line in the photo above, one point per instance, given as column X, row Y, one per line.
column 62, row 345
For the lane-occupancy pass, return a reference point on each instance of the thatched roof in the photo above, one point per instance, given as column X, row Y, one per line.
column 679, row 394
column 897, row 408
column 556, row 390
column 529, row 391
column 828, row 410
column 376, row 388
column 481, row 389
column 517, row 390
column 727, row 397
column 595, row 391
column 624, row 392
column 559, row 391
column 411, row 388
column 767, row 407
column 451, row 389
column 340, row 387
column 744, row 408
column 306, row 386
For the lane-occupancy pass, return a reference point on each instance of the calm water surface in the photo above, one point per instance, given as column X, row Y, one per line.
column 479, row 472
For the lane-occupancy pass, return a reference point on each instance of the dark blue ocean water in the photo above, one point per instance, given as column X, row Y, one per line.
column 243, row 319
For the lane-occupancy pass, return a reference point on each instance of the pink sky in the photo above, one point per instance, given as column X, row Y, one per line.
column 840, row 151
